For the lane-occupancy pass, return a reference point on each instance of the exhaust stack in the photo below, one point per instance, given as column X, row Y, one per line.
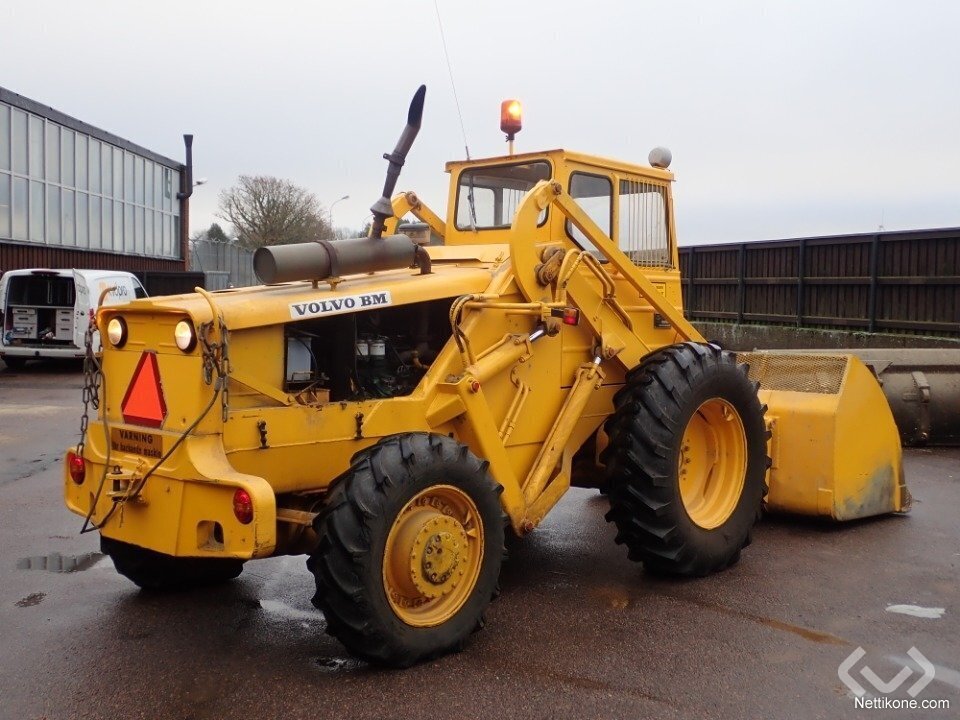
column 382, row 209
column 323, row 259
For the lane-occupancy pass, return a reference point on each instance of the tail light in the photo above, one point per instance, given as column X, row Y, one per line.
column 77, row 467
column 243, row 506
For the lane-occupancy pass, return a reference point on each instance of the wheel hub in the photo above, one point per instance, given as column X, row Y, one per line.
column 435, row 558
column 712, row 463
column 432, row 556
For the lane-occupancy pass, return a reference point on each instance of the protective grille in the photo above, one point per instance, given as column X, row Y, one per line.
column 800, row 373
column 643, row 223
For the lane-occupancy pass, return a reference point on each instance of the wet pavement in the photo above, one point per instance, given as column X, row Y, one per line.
column 578, row 632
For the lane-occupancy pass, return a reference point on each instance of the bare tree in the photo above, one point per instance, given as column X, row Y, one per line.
column 270, row 211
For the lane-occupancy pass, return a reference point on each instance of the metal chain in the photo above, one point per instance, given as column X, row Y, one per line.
column 216, row 359
column 92, row 378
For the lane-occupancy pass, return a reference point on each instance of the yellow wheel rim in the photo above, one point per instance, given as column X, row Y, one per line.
column 712, row 463
column 433, row 555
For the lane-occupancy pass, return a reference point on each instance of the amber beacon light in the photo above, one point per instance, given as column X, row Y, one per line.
column 511, row 113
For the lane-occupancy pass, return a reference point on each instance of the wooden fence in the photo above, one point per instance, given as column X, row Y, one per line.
column 879, row 282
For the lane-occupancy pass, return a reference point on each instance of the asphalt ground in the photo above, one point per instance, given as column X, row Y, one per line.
column 578, row 631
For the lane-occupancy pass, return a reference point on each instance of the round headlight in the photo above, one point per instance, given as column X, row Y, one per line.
column 184, row 335
column 117, row 332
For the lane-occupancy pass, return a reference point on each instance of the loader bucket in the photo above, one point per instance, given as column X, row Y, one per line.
column 834, row 447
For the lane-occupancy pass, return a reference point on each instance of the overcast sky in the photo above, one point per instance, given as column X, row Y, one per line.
column 785, row 119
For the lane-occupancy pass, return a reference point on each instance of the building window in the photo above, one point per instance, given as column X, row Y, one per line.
column 4, row 205
column 4, row 137
column 19, row 140
column 53, row 214
column 36, row 147
column 93, row 165
column 81, row 156
column 67, row 157
column 83, row 221
column 36, row 211
column 68, row 217
column 52, row 152
column 20, row 208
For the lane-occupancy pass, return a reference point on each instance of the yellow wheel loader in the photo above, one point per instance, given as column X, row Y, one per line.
column 390, row 409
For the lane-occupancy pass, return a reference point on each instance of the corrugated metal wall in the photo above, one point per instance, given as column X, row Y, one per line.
column 888, row 281
column 207, row 256
column 17, row 256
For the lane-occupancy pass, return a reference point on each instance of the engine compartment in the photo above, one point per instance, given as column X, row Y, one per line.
column 359, row 356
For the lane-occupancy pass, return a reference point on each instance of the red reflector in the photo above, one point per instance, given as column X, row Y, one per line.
column 144, row 404
column 77, row 467
column 243, row 506
column 571, row 316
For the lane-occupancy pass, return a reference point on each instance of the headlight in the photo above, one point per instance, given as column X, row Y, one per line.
column 117, row 332
column 184, row 335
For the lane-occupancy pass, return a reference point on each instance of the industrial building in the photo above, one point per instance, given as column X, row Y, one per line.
column 73, row 195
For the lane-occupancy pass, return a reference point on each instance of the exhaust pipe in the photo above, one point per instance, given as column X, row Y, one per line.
column 382, row 209
column 323, row 259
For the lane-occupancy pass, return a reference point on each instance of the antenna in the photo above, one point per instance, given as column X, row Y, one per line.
column 453, row 85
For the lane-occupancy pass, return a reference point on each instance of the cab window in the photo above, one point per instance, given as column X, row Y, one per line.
column 594, row 194
column 487, row 197
column 643, row 223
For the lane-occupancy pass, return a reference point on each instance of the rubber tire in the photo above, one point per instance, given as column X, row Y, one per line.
column 353, row 527
column 151, row 570
column 15, row 364
column 652, row 410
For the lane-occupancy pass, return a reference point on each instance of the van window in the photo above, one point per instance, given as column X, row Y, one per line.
column 40, row 291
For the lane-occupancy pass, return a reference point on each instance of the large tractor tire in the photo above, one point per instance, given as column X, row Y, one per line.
column 687, row 460
column 411, row 542
column 151, row 570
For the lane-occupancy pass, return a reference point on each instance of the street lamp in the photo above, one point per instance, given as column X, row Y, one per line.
column 330, row 211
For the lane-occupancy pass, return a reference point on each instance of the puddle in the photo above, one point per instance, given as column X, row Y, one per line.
column 55, row 562
column 277, row 607
column 31, row 600
column 339, row 664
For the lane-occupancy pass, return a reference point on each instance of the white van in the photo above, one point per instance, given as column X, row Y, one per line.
column 45, row 313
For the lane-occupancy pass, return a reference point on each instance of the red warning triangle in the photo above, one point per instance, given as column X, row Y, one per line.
column 143, row 404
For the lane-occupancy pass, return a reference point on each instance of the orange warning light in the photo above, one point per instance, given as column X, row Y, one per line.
column 144, row 404
column 510, row 117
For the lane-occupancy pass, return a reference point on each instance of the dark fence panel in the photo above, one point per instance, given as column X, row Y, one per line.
column 887, row 281
column 171, row 283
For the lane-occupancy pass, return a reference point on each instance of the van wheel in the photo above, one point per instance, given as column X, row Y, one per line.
column 687, row 460
column 15, row 363
column 151, row 570
column 411, row 542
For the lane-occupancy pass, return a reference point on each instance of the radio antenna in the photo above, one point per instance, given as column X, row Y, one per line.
column 453, row 85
